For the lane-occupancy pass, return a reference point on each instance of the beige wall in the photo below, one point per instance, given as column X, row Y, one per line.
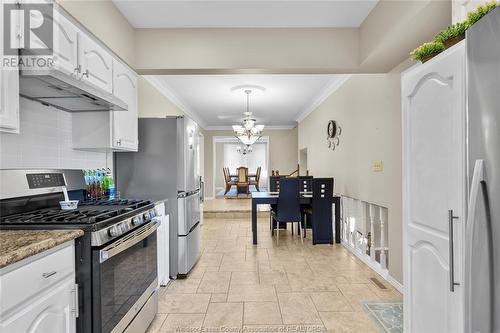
column 282, row 152
column 153, row 104
column 368, row 108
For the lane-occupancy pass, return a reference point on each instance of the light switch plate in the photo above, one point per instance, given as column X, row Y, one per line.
column 378, row 166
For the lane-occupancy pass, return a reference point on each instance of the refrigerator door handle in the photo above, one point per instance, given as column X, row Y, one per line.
column 477, row 178
column 451, row 218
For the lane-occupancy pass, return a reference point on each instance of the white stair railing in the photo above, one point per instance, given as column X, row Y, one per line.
column 363, row 232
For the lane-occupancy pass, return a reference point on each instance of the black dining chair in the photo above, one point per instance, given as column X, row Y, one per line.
column 320, row 211
column 288, row 207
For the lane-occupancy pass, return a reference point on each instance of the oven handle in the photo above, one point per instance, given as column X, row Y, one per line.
column 129, row 240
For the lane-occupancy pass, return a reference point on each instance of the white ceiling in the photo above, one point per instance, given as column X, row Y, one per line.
column 209, row 99
column 245, row 14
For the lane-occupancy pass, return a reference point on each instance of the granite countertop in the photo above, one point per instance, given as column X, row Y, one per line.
column 16, row 245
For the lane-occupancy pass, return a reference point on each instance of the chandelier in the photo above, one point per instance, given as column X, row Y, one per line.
column 248, row 133
column 244, row 149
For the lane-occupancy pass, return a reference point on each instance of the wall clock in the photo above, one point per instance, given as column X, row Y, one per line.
column 333, row 131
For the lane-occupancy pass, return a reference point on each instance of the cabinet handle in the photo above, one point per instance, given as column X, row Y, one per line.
column 451, row 218
column 86, row 74
column 49, row 274
column 119, row 142
column 75, row 298
column 78, row 69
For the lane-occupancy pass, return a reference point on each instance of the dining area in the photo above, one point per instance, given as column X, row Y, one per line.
column 299, row 205
column 242, row 180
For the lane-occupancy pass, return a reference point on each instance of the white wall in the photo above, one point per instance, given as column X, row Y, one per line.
column 45, row 142
column 368, row 108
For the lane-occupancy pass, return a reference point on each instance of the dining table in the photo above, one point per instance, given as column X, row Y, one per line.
column 271, row 198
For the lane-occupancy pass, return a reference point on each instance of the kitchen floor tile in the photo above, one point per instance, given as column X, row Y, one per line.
column 251, row 293
column 224, row 316
column 347, row 322
column 298, row 308
column 181, row 322
column 331, row 301
column 261, row 313
column 183, row 303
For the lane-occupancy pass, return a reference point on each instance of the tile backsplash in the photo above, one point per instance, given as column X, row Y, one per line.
column 45, row 141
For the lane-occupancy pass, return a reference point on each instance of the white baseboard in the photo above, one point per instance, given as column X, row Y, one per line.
column 376, row 267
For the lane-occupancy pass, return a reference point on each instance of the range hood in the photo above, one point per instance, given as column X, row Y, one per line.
column 66, row 92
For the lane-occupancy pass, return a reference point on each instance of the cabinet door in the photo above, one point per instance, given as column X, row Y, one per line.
column 9, row 93
column 65, row 34
column 434, row 183
column 124, row 127
column 52, row 312
column 96, row 63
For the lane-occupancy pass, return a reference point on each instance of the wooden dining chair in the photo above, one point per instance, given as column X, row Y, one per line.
column 242, row 185
column 255, row 181
column 288, row 207
column 227, row 178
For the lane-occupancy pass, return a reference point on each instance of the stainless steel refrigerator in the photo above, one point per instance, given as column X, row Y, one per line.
column 167, row 166
column 482, row 237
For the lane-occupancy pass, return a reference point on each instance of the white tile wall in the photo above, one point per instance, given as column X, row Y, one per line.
column 45, row 142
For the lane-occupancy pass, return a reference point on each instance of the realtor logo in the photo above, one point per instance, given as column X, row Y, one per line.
column 28, row 28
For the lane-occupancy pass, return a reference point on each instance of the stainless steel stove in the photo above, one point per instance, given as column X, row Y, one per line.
column 115, row 259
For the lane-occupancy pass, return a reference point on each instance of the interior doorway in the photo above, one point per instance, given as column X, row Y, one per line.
column 225, row 154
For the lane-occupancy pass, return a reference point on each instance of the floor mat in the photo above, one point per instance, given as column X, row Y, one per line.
column 387, row 315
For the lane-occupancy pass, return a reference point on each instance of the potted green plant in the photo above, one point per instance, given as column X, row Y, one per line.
column 453, row 34
column 427, row 51
column 479, row 12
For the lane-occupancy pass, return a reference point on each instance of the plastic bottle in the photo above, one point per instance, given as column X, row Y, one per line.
column 111, row 186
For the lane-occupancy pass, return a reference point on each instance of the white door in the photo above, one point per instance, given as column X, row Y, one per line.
column 96, row 63
column 125, row 131
column 52, row 312
column 9, row 93
column 434, row 183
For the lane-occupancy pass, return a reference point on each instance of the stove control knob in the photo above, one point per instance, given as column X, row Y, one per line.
column 146, row 217
column 137, row 220
column 115, row 231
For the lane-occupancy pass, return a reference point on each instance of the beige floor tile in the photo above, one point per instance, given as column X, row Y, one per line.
column 261, row 313
column 184, row 286
column 181, row 322
column 218, row 298
column 251, row 293
column 272, row 276
column 242, row 278
column 183, row 303
column 156, row 324
column 298, row 308
column 347, row 322
column 213, row 286
column 223, row 316
column 331, row 301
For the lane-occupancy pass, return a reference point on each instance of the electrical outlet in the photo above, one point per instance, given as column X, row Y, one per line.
column 378, row 166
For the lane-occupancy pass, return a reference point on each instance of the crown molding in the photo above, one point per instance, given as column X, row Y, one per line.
column 229, row 128
column 166, row 91
column 334, row 84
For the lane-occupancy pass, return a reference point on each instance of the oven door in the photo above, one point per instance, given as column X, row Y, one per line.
column 124, row 276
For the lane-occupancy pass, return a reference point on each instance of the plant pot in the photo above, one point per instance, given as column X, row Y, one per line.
column 450, row 42
column 428, row 57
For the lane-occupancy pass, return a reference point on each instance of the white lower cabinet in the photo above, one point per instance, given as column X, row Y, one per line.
column 40, row 296
column 434, row 193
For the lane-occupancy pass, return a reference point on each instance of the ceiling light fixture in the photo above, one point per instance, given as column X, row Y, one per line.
column 248, row 133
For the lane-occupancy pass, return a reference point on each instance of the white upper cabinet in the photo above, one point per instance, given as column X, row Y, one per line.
column 65, row 44
column 124, row 130
column 9, row 93
column 433, row 98
column 96, row 63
